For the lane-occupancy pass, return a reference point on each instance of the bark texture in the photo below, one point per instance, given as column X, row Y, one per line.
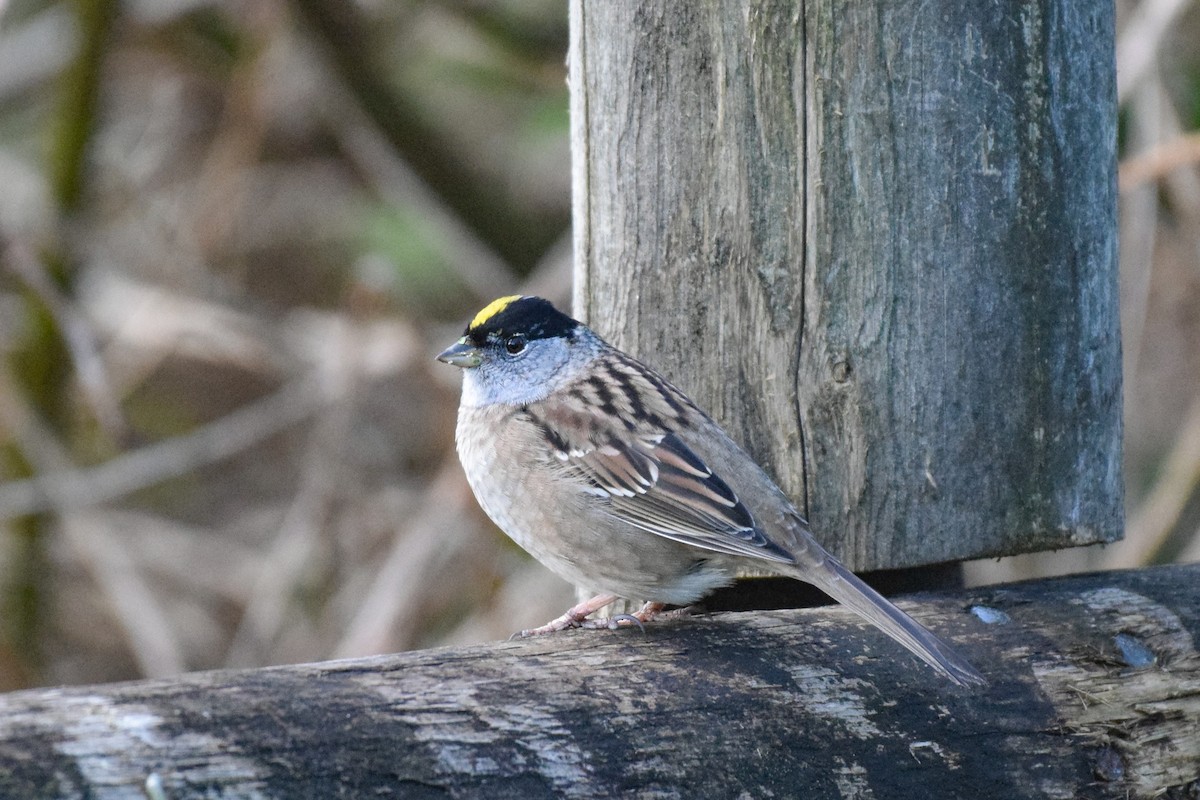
column 877, row 241
column 1095, row 692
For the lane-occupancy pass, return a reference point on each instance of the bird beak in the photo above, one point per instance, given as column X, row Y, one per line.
column 461, row 354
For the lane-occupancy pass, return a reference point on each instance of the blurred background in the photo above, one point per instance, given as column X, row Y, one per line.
column 233, row 234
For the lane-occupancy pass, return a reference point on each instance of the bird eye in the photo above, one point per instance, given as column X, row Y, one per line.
column 514, row 344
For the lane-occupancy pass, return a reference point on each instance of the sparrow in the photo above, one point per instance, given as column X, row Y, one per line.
column 616, row 481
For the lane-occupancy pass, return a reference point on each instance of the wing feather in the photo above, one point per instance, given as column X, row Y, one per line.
column 650, row 477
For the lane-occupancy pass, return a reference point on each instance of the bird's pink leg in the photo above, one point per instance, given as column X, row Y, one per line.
column 650, row 610
column 574, row 618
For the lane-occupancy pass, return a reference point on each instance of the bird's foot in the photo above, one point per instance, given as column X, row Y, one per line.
column 576, row 617
column 613, row 623
column 649, row 611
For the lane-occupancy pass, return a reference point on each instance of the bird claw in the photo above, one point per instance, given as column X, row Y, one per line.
column 573, row 618
column 553, row 626
column 565, row 623
column 578, row 617
column 614, row 622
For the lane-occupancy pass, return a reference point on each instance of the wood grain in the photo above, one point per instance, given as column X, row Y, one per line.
column 877, row 242
column 793, row 703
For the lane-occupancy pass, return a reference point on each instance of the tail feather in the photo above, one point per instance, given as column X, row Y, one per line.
column 831, row 577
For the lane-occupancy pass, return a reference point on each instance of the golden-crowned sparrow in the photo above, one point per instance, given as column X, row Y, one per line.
column 616, row 481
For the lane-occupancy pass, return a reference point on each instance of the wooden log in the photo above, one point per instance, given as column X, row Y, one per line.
column 877, row 241
column 1094, row 692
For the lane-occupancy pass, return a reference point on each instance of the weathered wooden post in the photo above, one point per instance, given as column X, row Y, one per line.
column 877, row 241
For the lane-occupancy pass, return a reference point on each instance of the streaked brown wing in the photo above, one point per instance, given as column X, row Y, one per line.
column 659, row 485
column 616, row 430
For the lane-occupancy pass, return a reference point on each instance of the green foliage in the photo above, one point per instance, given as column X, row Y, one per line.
column 422, row 279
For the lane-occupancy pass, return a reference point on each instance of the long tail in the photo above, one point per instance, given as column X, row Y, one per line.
column 828, row 575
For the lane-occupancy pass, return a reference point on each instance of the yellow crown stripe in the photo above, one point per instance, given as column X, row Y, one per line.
column 492, row 309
